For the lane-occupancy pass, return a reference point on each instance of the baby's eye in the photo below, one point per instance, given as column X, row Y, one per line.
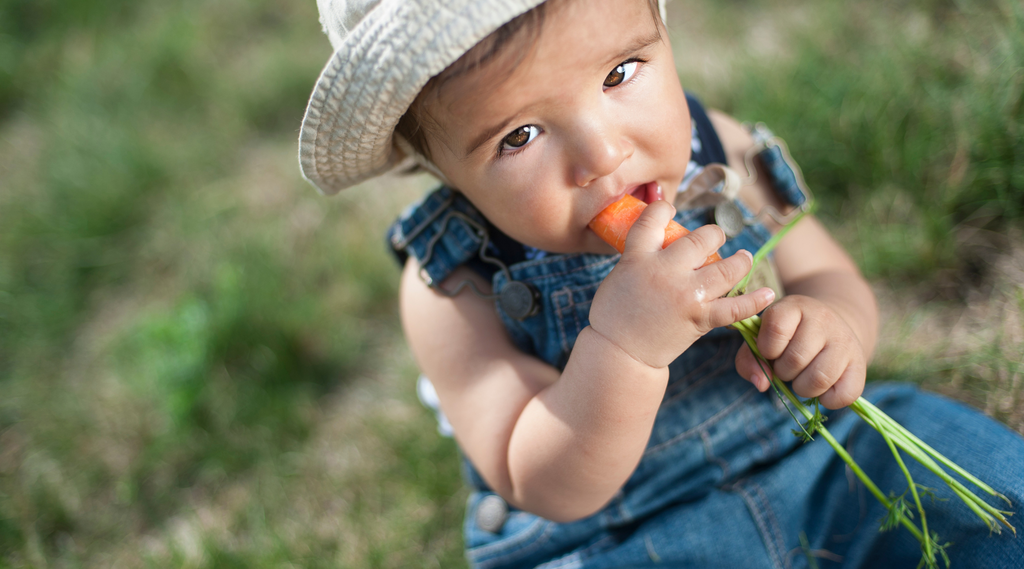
column 620, row 74
column 519, row 137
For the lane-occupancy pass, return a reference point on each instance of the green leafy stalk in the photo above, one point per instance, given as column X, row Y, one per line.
column 884, row 424
column 753, row 324
column 926, row 544
column 863, row 406
column 896, row 437
column 750, row 336
column 767, row 248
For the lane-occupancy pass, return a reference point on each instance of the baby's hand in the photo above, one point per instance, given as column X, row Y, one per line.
column 811, row 346
column 656, row 302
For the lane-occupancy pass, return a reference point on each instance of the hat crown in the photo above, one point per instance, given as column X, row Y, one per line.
column 339, row 17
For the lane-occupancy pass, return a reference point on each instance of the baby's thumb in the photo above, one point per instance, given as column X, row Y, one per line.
column 748, row 368
column 648, row 232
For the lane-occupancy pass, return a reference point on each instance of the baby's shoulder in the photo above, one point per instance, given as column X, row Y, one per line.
column 736, row 139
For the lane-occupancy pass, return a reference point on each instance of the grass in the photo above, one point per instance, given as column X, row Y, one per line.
column 200, row 359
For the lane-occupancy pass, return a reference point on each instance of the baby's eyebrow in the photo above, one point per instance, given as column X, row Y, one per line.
column 638, row 45
column 487, row 135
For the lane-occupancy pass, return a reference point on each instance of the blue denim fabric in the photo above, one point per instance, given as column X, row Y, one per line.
column 757, row 490
column 723, row 481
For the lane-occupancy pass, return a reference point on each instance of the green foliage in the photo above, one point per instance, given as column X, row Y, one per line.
column 931, row 561
column 898, row 509
column 186, row 330
column 811, row 426
column 232, row 377
column 904, row 117
column 163, row 333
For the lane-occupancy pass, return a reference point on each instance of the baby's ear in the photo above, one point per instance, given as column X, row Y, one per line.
column 400, row 148
column 403, row 155
column 411, row 162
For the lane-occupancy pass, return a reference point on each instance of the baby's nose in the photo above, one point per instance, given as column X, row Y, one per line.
column 598, row 154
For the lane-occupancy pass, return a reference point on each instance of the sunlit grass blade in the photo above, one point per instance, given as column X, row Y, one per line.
column 934, row 453
column 767, row 248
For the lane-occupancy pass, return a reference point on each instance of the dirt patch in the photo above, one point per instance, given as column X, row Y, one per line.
column 962, row 333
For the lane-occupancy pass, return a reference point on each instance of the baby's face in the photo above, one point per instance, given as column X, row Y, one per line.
column 594, row 111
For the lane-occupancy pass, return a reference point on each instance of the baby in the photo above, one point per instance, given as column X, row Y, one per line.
column 607, row 416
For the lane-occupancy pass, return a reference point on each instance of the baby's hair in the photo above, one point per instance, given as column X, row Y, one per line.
column 521, row 31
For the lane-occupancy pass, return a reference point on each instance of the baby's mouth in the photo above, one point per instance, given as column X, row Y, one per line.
column 648, row 193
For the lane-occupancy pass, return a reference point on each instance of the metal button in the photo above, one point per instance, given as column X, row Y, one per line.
column 519, row 300
column 491, row 513
column 729, row 217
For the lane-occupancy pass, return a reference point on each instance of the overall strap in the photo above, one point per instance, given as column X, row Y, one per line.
column 708, row 148
column 443, row 231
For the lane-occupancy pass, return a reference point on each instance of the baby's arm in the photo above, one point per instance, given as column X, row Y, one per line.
column 822, row 334
column 561, row 445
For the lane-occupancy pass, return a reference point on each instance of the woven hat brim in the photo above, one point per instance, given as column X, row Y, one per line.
column 372, row 78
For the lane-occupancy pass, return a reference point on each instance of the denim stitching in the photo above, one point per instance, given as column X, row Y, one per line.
column 579, row 289
column 761, row 434
column 722, row 364
column 776, row 528
column 710, row 421
column 682, row 385
column 500, row 550
column 576, row 558
column 561, row 259
column 710, row 456
column 559, row 311
column 755, row 514
column 571, row 305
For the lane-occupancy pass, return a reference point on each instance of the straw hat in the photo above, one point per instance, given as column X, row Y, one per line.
column 385, row 51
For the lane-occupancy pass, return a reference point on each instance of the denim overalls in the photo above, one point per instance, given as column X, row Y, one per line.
column 723, row 481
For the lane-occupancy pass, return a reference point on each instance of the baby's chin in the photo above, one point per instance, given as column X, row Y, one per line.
column 597, row 246
column 589, row 243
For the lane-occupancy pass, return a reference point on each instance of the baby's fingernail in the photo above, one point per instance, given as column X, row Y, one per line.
column 770, row 295
column 748, row 255
column 756, row 380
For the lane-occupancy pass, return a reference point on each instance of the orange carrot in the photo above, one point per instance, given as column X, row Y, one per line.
column 613, row 223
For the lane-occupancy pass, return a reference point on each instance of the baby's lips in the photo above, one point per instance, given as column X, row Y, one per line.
column 654, row 192
column 649, row 192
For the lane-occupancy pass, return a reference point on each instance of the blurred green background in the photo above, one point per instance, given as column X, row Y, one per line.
column 200, row 359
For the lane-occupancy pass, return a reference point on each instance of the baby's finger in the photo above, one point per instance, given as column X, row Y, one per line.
column 802, row 350
column 694, row 249
column 778, row 327
column 847, row 390
column 648, row 232
column 728, row 310
column 748, row 368
column 820, row 374
column 721, row 276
